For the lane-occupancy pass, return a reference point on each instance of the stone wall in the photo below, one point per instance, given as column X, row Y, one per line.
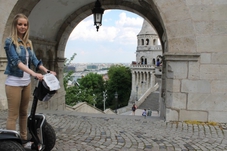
column 6, row 8
column 45, row 50
column 193, row 35
column 195, row 89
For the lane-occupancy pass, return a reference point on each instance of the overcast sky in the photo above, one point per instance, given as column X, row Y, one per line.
column 115, row 42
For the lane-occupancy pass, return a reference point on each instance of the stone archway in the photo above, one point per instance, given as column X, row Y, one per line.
column 148, row 13
column 55, row 44
column 192, row 36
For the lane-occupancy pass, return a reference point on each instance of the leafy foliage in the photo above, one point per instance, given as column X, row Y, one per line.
column 95, row 83
column 71, row 95
column 119, row 81
column 92, row 86
column 77, row 94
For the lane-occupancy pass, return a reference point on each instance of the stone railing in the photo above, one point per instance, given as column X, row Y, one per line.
column 148, row 47
column 140, row 66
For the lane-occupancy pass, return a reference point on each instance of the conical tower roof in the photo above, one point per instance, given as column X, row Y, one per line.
column 147, row 29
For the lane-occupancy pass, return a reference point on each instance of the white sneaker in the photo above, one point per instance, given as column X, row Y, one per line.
column 28, row 145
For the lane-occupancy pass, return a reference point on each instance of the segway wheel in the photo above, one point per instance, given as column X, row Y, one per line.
column 49, row 138
column 9, row 145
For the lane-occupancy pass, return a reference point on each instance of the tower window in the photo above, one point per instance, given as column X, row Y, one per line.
column 143, row 60
column 147, row 41
column 153, row 61
column 154, row 42
column 142, row 41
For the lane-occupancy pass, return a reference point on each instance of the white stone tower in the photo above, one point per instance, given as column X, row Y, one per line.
column 143, row 70
column 148, row 46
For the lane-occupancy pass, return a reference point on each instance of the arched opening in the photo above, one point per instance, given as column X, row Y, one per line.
column 55, row 35
column 186, row 42
column 154, row 42
column 147, row 41
column 142, row 41
column 111, row 44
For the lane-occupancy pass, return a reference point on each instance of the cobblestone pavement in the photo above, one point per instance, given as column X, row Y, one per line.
column 93, row 132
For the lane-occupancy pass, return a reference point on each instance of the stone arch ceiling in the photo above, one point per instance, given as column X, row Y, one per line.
column 137, row 8
column 54, row 20
column 47, row 16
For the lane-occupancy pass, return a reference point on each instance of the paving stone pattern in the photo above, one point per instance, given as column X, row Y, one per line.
column 94, row 132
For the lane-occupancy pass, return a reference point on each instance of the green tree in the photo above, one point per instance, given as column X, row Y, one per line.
column 93, row 85
column 75, row 94
column 72, row 95
column 90, row 89
column 119, row 81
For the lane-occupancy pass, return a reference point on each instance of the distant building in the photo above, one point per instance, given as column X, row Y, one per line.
column 147, row 54
column 148, row 45
column 80, row 67
column 92, row 67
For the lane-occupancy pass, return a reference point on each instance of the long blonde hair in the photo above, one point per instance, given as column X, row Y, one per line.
column 14, row 36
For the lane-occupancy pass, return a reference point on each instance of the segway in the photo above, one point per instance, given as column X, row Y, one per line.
column 41, row 133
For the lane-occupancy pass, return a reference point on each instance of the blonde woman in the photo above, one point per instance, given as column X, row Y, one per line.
column 20, row 56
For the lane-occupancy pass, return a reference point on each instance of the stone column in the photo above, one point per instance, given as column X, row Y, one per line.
column 179, row 87
column 133, row 80
column 152, row 78
column 146, row 81
column 133, row 86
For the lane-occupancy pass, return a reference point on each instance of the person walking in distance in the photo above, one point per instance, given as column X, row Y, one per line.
column 144, row 113
column 134, row 107
column 20, row 56
column 149, row 112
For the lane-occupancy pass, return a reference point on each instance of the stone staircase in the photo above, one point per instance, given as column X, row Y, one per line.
column 151, row 102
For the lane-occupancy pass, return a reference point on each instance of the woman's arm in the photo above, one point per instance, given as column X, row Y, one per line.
column 34, row 74
column 41, row 67
column 29, row 71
